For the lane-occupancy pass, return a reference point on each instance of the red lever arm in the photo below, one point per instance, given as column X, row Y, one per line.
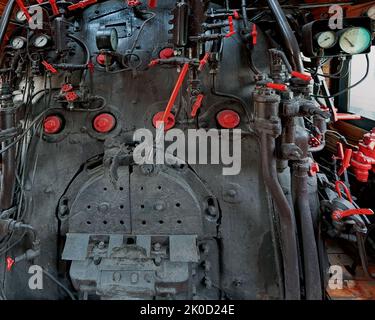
column 277, row 86
column 54, row 7
column 231, row 27
column 175, row 92
column 204, row 61
column 81, row 5
column 10, row 263
column 339, row 214
column 339, row 185
column 302, row 76
column 24, row 9
column 346, row 161
column 49, row 67
column 197, row 105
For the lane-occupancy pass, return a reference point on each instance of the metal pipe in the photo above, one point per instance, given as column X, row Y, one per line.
column 5, row 18
column 287, row 224
column 313, row 285
column 290, row 40
column 8, row 176
column 266, row 107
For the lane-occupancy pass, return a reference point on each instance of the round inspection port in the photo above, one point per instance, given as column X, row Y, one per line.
column 103, row 59
column 104, row 123
column 170, row 123
column 52, row 124
column 166, row 53
column 228, row 119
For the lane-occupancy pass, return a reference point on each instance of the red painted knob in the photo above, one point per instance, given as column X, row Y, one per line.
column 104, row 123
column 170, row 123
column 228, row 119
column 52, row 124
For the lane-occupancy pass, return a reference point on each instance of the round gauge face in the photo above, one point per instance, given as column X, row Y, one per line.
column 327, row 39
column 114, row 39
column 371, row 13
column 18, row 43
column 41, row 41
column 355, row 40
column 20, row 16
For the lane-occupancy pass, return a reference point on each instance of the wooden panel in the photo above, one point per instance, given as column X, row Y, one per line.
column 2, row 4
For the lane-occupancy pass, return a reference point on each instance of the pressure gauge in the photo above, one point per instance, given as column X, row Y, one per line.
column 327, row 39
column 41, row 41
column 371, row 13
column 107, row 39
column 18, row 43
column 20, row 16
column 355, row 40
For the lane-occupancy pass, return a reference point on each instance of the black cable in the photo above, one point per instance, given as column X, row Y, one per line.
column 62, row 286
column 38, row 118
column 348, row 88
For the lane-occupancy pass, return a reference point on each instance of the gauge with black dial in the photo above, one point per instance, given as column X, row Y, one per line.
column 327, row 39
column 355, row 40
column 18, row 43
column 107, row 39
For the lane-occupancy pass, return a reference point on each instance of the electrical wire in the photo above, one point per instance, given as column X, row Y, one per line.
column 350, row 87
column 61, row 285
column 131, row 52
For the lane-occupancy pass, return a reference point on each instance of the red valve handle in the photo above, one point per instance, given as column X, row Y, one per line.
column 10, row 263
column 49, row 67
column 339, row 214
column 277, row 86
column 91, row 67
column 197, row 105
column 254, row 34
column 153, row 63
column 231, row 27
column 66, row 87
column 340, row 151
column 346, row 161
column 71, row 96
column 302, row 76
column 204, row 61
column 338, row 186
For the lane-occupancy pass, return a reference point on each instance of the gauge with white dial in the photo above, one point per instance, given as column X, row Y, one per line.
column 371, row 13
column 18, row 43
column 326, row 39
column 41, row 41
column 355, row 40
column 20, row 16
